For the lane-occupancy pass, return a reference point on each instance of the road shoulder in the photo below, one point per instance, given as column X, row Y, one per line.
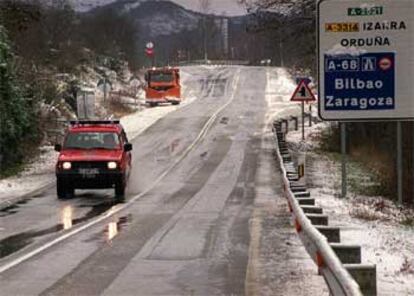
column 278, row 262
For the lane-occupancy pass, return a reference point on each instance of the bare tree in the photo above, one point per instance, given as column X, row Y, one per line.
column 205, row 6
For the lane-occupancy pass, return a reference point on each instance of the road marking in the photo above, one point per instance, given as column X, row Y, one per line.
column 118, row 208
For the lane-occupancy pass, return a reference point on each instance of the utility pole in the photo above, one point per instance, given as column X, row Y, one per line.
column 105, row 90
column 205, row 38
column 282, row 63
column 205, row 8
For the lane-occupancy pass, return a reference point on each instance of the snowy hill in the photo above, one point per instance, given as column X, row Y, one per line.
column 86, row 5
column 228, row 7
column 154, row 17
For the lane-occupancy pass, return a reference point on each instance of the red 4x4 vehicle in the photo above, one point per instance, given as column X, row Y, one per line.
column 94, row 155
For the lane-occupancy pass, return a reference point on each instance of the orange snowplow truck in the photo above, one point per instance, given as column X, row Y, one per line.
column 163, row 86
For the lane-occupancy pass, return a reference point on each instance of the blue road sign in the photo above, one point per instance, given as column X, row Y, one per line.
column 363, row 82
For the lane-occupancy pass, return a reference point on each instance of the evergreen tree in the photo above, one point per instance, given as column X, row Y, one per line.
column 15, row 112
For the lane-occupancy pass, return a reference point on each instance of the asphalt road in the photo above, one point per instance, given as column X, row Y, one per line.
column 195, row 221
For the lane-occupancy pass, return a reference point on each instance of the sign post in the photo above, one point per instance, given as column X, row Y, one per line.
column 303, row 121
column 149, row 51
column 365, row 63
column 105, row 85
column 344, row 159
column 303, row 94
column 399, row 163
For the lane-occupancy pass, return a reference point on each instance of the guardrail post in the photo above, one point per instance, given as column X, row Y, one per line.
column 318, row 219
column 348, row 254
column 286, row 122
column 332, row 234
column 365, row 276
column 296, row 120
column 312, row 210
column 306, row 201
column 310, row 114
column 281, row 136
column 302, row 194
column 276, row 125
column 298, row 188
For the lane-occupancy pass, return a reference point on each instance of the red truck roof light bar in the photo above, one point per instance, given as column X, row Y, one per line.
column 90, row 122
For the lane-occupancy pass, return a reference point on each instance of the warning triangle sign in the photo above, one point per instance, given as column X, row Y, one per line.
column 303, row 93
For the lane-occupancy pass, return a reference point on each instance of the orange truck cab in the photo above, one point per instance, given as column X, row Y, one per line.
column 163, row 86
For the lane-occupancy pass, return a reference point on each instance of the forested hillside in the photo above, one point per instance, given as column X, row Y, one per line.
column 288, row 26
column 46, row 51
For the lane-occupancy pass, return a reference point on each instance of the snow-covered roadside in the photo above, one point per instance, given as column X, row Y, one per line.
column 40, row 173
column 372, row 222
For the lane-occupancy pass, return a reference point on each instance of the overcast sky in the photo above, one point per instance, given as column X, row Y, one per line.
column 230, row 7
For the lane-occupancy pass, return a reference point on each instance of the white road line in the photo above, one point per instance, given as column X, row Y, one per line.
column 119, row 208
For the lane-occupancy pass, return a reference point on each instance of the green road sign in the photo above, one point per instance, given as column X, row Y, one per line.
column 365, row 11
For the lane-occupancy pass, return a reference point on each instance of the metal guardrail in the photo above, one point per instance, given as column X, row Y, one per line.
column 295, row 119
column 335, row 273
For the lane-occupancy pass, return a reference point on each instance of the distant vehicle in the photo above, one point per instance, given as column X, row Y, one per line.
column 94, row 155
column 163, row 86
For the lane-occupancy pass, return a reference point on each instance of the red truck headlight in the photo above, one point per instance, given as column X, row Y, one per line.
column 112, row 165
column 66, row 165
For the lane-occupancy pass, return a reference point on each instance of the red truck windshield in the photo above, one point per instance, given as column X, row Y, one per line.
column 92, row 140
column 161, row 77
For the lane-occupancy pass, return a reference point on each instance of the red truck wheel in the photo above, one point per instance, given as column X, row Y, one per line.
column 63, row 190
column 120, row 191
